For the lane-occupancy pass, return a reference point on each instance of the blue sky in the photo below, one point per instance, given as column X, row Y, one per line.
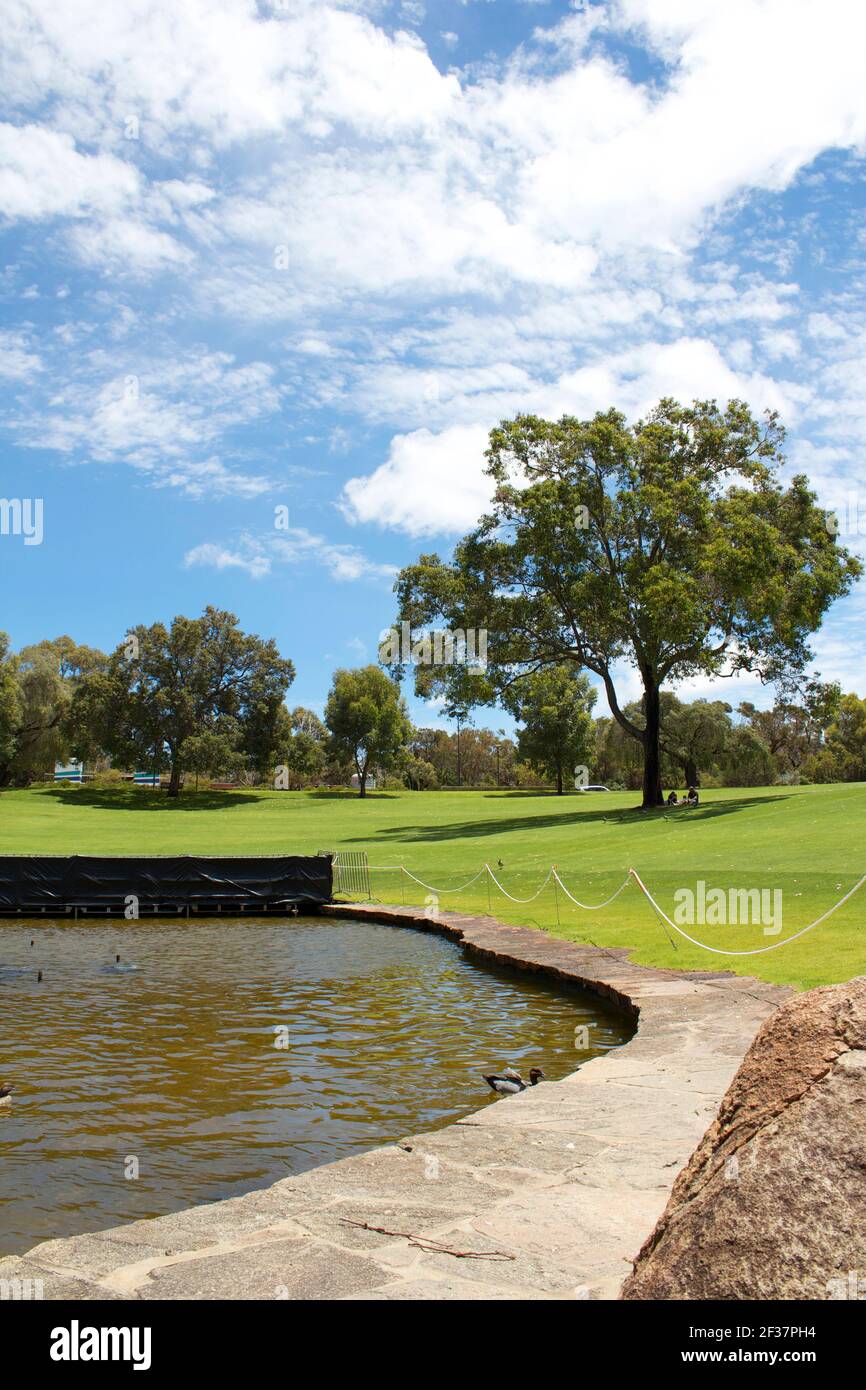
column 305, row 255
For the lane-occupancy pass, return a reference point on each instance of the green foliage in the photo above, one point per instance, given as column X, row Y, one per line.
column 46, row 676
column 694, row 736
column 748, row 761
column 367, row 721
column 486, row 759
column 10, row 703
column 553, row 705
column 669, row 545
column 843, row 758
column 419, row 775
column 201, row 695
column 792, row 732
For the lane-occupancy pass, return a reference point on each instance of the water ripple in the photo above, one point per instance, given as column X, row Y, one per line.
column 169, row 1067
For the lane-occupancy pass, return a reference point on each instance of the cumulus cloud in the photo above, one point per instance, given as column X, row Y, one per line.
column 430, row 483
column 383, row 171
column 125, row 244
column 434, row 481
column 42, row 174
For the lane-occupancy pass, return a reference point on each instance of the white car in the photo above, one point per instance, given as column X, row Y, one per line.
column 594, row 789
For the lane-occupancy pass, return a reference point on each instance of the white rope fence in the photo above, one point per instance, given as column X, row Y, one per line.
column 440, row 891
column 631, row 876
column 593, row 907
column 535, row 895
column 758, row 950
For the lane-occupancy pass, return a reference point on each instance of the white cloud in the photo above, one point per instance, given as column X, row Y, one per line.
column 430, row 483
column 210, row 478
column 17, row 362
column 228, row 72
column 258, row 554
column 434, row 482
column 756, row 89
column 43, row 175
column 162, row 416
column 124, row 244
column 381, row 172
column 220, row 557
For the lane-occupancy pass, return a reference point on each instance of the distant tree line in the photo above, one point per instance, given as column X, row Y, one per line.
column 203, row 698
column 706, row 742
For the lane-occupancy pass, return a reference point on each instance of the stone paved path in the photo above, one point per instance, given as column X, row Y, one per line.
column 552, row 1191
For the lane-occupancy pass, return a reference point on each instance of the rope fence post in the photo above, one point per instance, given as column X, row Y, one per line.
column 555, row 892
column 489, row 900
column 402, row 886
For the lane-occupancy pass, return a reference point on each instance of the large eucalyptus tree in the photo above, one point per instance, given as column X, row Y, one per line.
column 669, row 546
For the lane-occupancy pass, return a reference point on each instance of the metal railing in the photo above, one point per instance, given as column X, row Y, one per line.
column 351, row 872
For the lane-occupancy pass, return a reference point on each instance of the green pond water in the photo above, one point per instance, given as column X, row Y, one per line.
column 223, row 1055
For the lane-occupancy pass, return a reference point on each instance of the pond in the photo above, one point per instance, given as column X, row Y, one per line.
column 222, row 1055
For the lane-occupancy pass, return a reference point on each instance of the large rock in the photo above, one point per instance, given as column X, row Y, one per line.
column 772, row 1204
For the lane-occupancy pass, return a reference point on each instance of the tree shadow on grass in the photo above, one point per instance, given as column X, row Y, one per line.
column 468, row 830
column 548, row 794
column 353, row 796
column 139, row 799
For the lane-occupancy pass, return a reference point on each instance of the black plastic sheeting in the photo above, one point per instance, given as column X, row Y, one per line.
column 199, row 883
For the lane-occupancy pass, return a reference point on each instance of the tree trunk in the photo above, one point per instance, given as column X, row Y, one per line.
column 362, row 780
column 559, row 779
column 690, row 769
column 652, row 776
column 174, row 782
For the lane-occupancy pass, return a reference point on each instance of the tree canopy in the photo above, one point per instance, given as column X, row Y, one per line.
column 554, row 707
column 36, row 690
column 669, row 546
column 366, row 718
column 199, row 694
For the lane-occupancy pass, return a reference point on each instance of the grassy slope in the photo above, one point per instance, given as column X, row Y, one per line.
column 807, row 841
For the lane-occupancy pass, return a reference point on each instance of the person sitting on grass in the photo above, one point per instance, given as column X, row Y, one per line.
column 692, row 796
column 672, row 799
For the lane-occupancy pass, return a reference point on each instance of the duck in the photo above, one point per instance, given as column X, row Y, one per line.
column 510, row 1082
column 118, row 968
column 6, row 1093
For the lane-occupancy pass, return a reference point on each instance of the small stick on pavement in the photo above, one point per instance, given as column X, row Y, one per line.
column 434, row 1246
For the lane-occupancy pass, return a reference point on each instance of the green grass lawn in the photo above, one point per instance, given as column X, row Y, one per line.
column 806, row 841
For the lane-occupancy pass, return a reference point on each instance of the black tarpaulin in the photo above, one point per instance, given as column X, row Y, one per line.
column 187, row 880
